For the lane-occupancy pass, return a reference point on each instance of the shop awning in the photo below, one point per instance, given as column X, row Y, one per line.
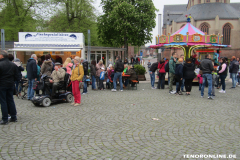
column 47, row 46
column 46, row 49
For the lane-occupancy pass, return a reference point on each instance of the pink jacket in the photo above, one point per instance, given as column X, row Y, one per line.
column 200, row 79
column 69, row 68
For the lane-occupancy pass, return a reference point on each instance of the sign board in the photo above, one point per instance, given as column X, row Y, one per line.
column 50, row 37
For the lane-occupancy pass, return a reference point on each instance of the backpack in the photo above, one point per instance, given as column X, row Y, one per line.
column 102, row 76
column 85, row 67
column 167, row 67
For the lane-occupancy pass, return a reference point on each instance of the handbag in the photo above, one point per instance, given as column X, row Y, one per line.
column 80, row 83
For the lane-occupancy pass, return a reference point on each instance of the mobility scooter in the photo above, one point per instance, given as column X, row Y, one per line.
column 62, row 95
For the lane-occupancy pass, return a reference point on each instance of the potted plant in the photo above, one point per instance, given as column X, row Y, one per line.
column 140, row 71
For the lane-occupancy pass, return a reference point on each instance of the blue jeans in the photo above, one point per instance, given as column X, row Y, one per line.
column 152, row 76
column 207, row 77
column 126, row 82
column 234, row 79
column 93, row 82
column 16, row 85
column 84, row 84
column 200, row 87
column 182, row 86
column 7, row 103
column 30, row 92
column 223, row 77
column 117, row 75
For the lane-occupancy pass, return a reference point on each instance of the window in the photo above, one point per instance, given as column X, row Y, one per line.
column 204, row 27
column 227, row 34
column 199, row 1
column 182, row 26
column 217, row 0
column 208, row 1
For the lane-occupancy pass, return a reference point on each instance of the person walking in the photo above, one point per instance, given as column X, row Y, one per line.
column 188, row 75
column 233, row 69
column 31, row 75
column 183, row 80
column 77, row 76
column 161, row 74
column 8, row 74
column 179, row 75
column 118, row 69
column 19, row 76
column 85, row 68
column 223, row 69
column 172, row 66
column 207, row 67
column 93, row 74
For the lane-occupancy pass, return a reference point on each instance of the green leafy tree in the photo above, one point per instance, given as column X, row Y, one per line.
column 74, row 16
column 17, row 16
column 126, row 22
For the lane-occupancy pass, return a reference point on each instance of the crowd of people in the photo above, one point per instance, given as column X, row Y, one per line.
column 183, row 72
column 180, row 70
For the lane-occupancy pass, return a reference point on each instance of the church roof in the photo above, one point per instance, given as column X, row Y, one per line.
column 208, row 11
column 172, row 12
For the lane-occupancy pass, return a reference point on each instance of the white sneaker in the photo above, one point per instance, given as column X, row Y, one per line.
column 222, row 91
column 153, row 88
column 172, row 92
column 114, row 90
column 121, row 90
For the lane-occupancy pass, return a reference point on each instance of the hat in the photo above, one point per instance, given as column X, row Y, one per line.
column 233, row 57
column 57, row 64
column 16, row 60
column 77, row 58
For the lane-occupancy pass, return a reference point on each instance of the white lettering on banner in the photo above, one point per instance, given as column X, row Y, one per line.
column 50, row 37
column 213, row 156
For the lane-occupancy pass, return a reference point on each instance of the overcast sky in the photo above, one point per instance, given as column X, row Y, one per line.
column 159, row 5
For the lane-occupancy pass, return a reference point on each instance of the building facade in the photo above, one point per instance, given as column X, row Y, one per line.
column 210, row 16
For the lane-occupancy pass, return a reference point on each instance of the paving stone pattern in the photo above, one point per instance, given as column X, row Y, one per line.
column 118, row 125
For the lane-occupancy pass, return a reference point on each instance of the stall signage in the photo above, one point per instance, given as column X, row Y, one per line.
column 50, row 37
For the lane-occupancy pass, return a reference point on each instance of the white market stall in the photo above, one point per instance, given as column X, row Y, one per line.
column 59, row 45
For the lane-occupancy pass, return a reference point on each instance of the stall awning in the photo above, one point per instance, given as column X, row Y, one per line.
column 46, row 49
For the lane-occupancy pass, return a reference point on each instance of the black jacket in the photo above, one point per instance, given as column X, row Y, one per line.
column 119, row 66
column 93, row 70
column 19, row 74
column 206, row 66
column 179, row 70
column 234, row 67
column 31, row 69
column 225, row 71
column 154, row 67
column 8, row 73
column 85, row 67
column 188, row 71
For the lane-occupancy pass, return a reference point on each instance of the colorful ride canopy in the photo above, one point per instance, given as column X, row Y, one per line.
column 190, row 29
column 188, row 35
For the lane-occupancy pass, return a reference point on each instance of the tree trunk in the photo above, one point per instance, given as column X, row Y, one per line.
column 126, row 47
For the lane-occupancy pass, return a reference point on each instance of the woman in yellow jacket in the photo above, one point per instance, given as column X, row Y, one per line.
column 77, row 76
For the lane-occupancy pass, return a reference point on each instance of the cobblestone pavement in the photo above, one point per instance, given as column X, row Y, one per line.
column 118, row 125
